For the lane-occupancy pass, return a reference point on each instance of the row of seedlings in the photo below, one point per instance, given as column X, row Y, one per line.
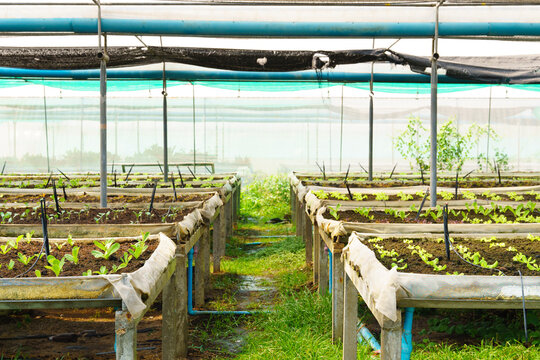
column 73, row 223
column 338, row 212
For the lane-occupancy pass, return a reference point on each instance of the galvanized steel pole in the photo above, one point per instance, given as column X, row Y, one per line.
column 370, row 157
column 165, row 134
column 433, row 165
column 102, row 55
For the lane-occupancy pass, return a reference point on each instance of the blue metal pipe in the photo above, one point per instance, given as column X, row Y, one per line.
column 330, row 270
column 225, row 75
column 365, row 336
column 190, row 295
column 268, row 28
column 406, row 338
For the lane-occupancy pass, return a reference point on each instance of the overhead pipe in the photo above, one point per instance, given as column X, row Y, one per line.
column 226, row 75
column 232, row 28
column 190, row 295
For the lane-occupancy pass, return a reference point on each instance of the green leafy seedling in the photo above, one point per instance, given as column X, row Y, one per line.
column 335, row 211
column 74, row 256
column 25, row 260
column 11, row 264
column 108, row 247
column 55, row 264
column 38, row 273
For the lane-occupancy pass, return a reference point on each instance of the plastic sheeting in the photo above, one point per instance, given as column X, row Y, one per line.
column 131, row 286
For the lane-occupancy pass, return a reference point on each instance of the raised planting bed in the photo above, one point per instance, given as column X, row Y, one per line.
column 473, row 255
column 131, row 293
column 77, row 183
column 69, row 257
column 444, row 195
column 471, row 214
column 85, row 198
column 387, row 291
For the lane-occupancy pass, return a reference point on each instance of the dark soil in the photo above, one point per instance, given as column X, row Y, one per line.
column 395, row 183
column 121, row 185
column 130, row 199
column 95, row 216
column 372, row 197
column 87, row 261
column 410, row 217
column 491, row 254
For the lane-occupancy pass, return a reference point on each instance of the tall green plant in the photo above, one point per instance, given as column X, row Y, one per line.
column 266, row 197
column 413, row 144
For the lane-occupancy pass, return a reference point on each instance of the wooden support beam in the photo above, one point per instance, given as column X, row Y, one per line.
column 391, row 339
column 204, row 249
column 199, row 278
column 323, row 268
column 218, row 235
column 126, row 335
column 308, row 239
column 175, row 317
column 316, row 246
column 350, row 319
column 337, row 297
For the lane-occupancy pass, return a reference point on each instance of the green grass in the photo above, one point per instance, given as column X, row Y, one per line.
column 485, row 351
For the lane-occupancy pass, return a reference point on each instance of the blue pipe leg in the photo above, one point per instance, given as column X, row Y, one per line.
column 365, row 336
column 190, row 295
column 330, row 271
column 406, row 339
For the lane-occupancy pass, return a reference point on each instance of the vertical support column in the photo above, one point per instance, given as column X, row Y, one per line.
column 230, row 217
column 371, row 93
column 337, row 296
column 204, row 249
column 293, row 206
column 350, row 318
column 433, row 129
column 391, row 339
column 316, row 246
column 323, row 268
column 126, row 335
column 219, row 238
column 308, row 238
column 199, row 279
column 165, row 134
column 102, row 55
column 299, row 218
column 175, row 318
column 103, row 130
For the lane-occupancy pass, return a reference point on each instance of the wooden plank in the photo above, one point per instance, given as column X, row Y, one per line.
column 308, row 239
column 391, row 339
column 199, row 278
column 323, row 268
column 60, row 304
column 316, row 246
column 126, row 335
column 175, row 317
column 205, row 253
column 350, row 318
column 337, row 297
column 468, row 303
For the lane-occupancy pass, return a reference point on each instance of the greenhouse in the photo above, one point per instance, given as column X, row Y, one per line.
column 270, row 180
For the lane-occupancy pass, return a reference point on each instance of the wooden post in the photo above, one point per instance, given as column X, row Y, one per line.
column 350, row 319
column 219, row 237
column 391, row 339
column 204, row 250
column 338, row 273
column 299, row 218
column 293, row 206
column 200, row 264
column 308, row 239
column 316, row 246
column 126, row 335
column 175, row 317
column 323, row 268
column 228, row 218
